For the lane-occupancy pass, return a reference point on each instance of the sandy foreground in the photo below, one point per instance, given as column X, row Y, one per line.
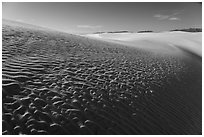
column 57, row 83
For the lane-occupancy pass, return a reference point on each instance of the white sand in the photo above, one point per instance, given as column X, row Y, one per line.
column 165, row 42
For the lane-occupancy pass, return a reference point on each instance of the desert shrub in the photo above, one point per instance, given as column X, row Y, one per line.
column 144, row 31
column 189, row 30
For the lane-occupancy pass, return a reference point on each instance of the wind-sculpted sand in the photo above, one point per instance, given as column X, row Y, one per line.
column 55, row 83
column 161, row 43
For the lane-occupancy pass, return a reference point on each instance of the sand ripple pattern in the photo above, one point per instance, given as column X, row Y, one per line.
column 63, row 84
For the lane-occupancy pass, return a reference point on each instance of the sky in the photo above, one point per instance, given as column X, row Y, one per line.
column 93, row 17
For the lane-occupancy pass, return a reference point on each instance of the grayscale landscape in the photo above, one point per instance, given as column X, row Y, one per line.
column 101, row 82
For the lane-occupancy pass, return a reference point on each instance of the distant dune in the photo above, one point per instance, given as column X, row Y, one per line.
column 55, row 83
column 164, row 42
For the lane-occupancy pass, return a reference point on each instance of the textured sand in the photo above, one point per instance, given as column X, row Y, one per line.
column 55, row 83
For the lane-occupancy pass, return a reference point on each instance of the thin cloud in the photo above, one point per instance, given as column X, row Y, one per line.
column 89, row 26
column 174, row 18
column 161, row 17
column 176, row 12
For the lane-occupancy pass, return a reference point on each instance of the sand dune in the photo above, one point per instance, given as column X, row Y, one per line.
column 164, row 42
column 56, row 83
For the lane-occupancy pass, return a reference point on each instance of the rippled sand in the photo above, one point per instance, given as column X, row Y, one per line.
column 55, row 83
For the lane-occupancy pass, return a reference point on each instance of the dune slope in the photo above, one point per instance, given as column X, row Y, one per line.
column 164, row 42
column 55, row 83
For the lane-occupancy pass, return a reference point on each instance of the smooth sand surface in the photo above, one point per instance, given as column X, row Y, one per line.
column 55, row 83
column 164, row 42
